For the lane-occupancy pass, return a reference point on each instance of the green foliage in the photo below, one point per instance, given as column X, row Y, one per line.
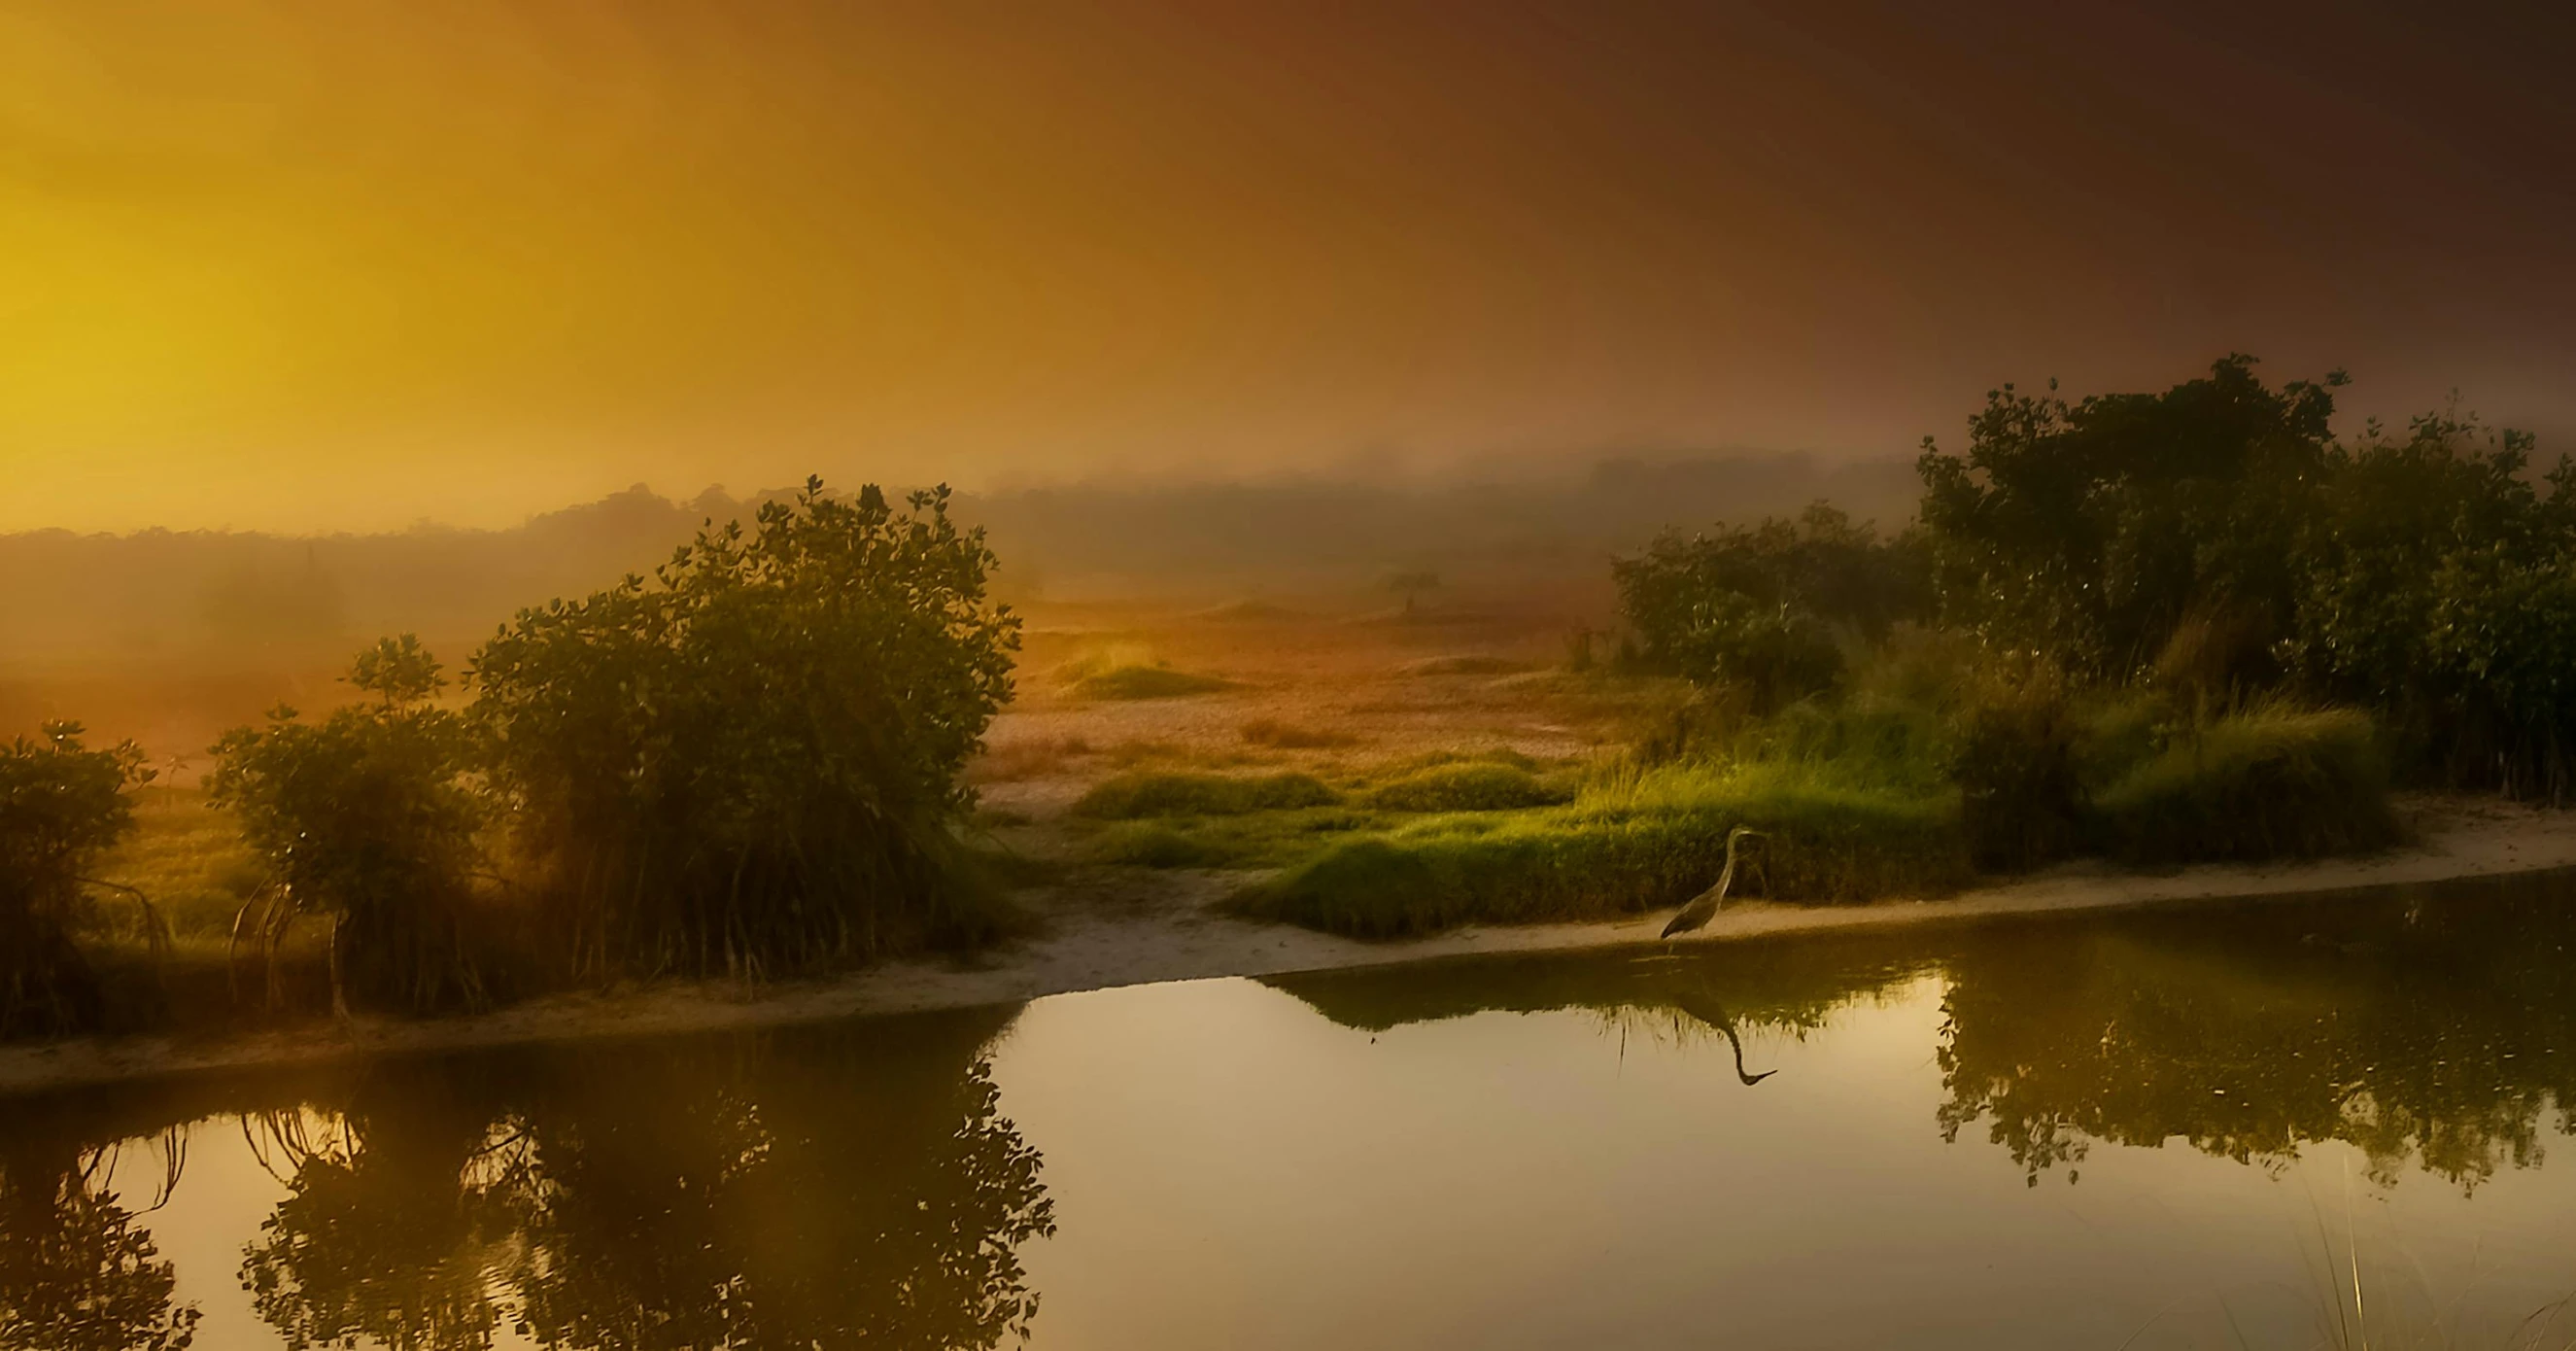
column 2272, row 781
column 2087, row 531
column 1631, row 843
column 1153, row 844
column 367, row 817
column 62, row 805
column 2436, row 587
column 2014, row 761
column 751, row 763
column 1127, row 797
column 1467, row 786
column 1767, row 607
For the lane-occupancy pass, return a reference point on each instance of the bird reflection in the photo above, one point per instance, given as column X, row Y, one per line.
column 1702, row 1004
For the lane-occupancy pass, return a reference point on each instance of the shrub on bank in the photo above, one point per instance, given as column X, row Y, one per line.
column 2267, row 782
column 61, row 806
column 366, row 818
column 751, row 763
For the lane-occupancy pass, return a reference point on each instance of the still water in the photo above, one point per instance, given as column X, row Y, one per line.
column 2215, row 1127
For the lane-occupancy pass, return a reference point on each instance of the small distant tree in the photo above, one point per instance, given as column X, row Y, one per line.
column 366, row 818
column 1412, row 584
column 1766, row 607
column 750, row 763
column 61, row 806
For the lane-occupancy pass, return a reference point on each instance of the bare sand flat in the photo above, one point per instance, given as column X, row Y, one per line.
column 1095, row 942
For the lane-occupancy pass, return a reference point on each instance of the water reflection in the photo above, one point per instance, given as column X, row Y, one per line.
column 860, row 1185
column 2433, row 1032
column 2440, row 1031
column 77, row 1270
column 852, row 1186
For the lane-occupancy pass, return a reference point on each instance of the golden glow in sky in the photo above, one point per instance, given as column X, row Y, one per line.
column 344, row 264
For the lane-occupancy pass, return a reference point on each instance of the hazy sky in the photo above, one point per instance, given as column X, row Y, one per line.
column 355, row 263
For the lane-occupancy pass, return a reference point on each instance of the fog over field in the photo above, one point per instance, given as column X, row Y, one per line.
column 228, row 600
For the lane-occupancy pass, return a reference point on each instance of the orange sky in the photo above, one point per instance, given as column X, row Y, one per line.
column 352, row 263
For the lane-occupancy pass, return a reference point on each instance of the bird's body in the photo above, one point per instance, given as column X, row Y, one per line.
column 1700, row 909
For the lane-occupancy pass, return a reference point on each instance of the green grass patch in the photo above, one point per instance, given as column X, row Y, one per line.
column 187, row 858
column 1255, row 840
column 2263, row 783
column 1154, row 844
column 1467, row 786
column 1128, row 797
column 1148, row 682
column 1631, row 843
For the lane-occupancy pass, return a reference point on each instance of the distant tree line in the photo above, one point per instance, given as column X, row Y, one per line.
column 747, row 763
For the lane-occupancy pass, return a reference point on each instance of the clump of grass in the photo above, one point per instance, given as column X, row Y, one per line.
column 1288, row 736
column 1153, row 844
column 1634, row 841
column 1147, row 682
column 1496, row 755
column 1465, row 664
column 1266, row 839
column 2265, row 782
column 1130, row 797
column 1127, row 671
column 1467, row 786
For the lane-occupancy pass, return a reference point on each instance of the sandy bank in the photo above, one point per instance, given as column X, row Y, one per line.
column 1129, row 940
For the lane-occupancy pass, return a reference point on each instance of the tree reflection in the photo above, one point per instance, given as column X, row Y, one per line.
column 821, row 1188
column 387, row 1229
column 77, row 1273
column 2437, row 1032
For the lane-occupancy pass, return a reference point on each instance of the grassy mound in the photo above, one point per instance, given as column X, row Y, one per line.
column 1269, row 839
column 2265, row 783
column 1465, row 664
column 1152, row 844
column 1129, row 797
column 1145, row 682
column 1643, row 843
column 1469, row 786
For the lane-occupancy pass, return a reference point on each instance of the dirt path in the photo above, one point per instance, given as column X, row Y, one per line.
column 1099, row 940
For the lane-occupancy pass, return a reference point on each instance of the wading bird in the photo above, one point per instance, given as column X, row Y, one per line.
column 1703, row 907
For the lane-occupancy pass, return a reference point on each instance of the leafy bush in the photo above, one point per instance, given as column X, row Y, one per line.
column 369, row 818
column 1466, row 787
column 2087, row 531
column 1130, row 796
column 1767, row 606
column 61, row 806
column 751, row 763
column 2268, row 782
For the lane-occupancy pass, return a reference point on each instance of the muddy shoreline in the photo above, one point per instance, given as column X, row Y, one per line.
column 1173, row 936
